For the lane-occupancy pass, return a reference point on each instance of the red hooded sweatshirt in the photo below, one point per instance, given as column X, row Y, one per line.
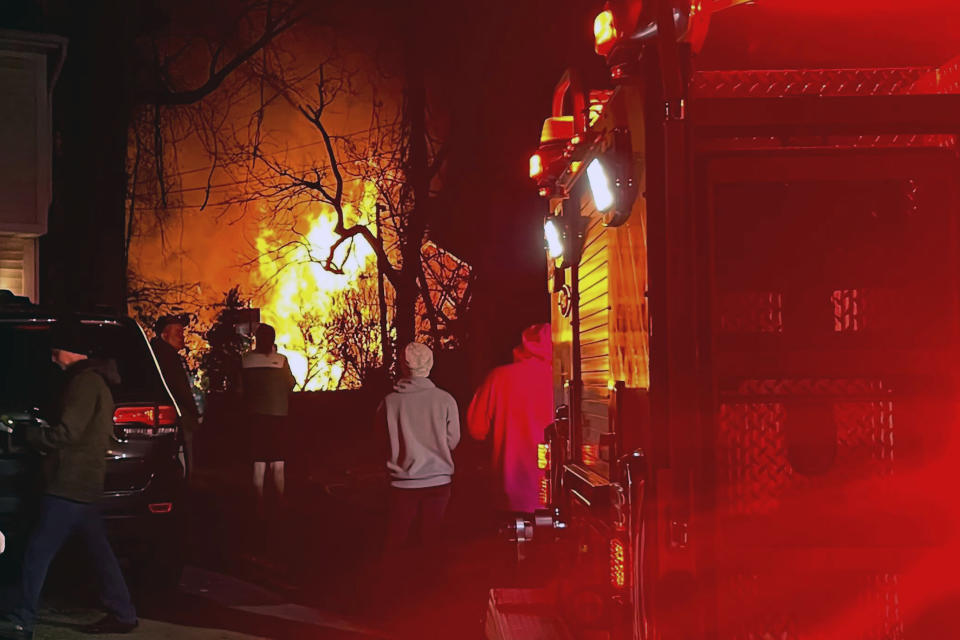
column 515, row 402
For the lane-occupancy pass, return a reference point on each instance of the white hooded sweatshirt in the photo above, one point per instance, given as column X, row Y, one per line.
column 423, row 424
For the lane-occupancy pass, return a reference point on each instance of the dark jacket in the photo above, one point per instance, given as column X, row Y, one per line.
column 266, row 383
column 76, row 445
column 174, row 372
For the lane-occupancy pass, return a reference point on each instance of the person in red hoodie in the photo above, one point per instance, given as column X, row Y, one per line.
column 515, row 403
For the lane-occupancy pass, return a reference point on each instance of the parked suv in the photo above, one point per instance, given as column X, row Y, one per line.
column 144, row 463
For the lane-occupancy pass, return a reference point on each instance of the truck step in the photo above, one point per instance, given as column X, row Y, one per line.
column 523, row 614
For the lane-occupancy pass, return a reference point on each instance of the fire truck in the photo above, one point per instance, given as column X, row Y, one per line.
column 754, row 288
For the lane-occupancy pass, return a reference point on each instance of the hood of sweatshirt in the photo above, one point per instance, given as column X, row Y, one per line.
column 412, row 385
column 536, row 342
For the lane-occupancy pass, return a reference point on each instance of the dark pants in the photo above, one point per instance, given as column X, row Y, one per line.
column 59, row 518
column 429, row 503
column 419, row 566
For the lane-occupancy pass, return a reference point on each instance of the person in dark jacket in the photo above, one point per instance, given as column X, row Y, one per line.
column 266, row 384
column 74, row 470
column 167, row 345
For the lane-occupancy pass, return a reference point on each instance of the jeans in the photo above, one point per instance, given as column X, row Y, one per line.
column 59, row 518
column 405, row 504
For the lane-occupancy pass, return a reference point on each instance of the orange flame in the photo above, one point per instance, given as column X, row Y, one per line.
column 297, row 291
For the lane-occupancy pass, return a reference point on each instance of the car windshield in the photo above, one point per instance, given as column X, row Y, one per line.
column 28, row 378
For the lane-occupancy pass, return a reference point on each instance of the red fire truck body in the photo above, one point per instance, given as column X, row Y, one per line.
column 755, row 313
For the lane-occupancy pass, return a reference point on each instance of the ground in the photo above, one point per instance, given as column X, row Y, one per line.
column 320, row 574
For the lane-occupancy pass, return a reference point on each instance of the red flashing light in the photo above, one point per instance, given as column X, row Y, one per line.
column 161, row 507
column 543, row 456
column 544, row 496
column 604, row 32
column 618, row 564
column 590, row 453
column 536, row 166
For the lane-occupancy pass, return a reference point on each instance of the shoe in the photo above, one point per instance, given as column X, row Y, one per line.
column 10, row 630
column 108, row 624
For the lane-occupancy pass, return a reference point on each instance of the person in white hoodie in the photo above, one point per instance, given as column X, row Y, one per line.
column 423, row 425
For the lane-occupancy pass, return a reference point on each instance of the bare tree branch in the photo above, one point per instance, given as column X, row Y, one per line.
column 273, row 27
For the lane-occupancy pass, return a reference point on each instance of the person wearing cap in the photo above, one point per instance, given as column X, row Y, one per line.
column 167, row 344
column 515, row 404
column 74, row 468
column 422, row 423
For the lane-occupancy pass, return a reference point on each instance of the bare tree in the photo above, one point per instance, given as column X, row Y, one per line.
column 351, row 335
column 311, row 346
column 401, row 154
column 194, row 64
column 403, row 162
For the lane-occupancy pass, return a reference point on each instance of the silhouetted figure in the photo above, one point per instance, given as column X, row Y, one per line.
column 74, row 471
column 167, row 345
column 266, row 383
column 515, row 404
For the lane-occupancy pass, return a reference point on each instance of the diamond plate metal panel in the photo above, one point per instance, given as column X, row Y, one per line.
column 847, row 310
column 865, row 433
column 753, row 462
column 811, row 386
column 772, row 83
column 749, row 616
column 871, row 309
column 768, row 607
column 753, row 457
column 751, row 312
column 945, row 79
column 769, row 83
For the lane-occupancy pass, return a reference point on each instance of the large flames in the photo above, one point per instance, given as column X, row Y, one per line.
column 297, row 295
column 228, row 229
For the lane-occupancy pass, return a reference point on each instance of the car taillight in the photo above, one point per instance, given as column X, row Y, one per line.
column 166, row 415
column 140, row 415
column 149, row 420
column 543, row 456
column 161, row 507
column 618, row 564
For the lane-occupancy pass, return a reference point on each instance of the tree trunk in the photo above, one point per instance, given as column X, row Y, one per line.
column 406, row 311
column 417, row 173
